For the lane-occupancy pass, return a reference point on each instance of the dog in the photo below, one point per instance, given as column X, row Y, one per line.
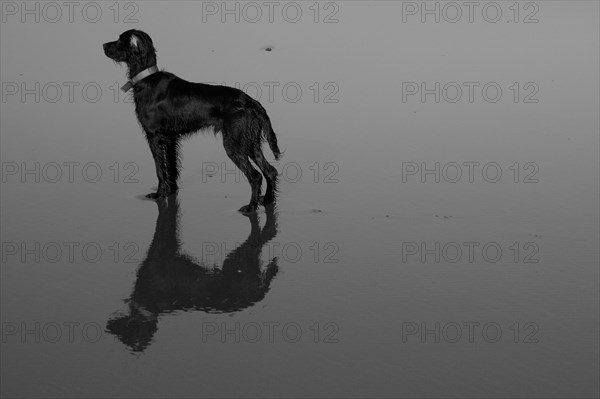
column 170, row 109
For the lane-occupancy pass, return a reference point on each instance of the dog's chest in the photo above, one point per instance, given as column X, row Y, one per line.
column 148, row 113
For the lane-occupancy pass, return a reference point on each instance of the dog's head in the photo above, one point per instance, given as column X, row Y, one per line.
column 134, row 48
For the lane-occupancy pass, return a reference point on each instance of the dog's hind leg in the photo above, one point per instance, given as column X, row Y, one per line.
column 270, row 175
column 240, row 159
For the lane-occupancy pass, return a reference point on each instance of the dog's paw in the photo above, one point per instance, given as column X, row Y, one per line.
column 153, row 196
column 247, row 209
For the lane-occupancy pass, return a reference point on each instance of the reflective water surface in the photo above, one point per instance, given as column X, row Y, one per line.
column 436, row 232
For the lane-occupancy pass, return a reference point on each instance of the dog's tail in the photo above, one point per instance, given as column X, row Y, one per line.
column 267, row 131
column 270, row 136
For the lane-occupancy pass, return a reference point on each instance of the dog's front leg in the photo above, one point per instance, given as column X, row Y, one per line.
column 172, row 165
column 159, row 153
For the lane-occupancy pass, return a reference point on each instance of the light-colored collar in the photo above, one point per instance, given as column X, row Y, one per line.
column 144, row 74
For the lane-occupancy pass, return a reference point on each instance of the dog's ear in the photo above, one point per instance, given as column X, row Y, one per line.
column 133, row 41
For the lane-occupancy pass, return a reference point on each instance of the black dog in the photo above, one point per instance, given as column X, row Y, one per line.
column 169, row 109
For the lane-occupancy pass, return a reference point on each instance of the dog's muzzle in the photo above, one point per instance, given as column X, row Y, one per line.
column 109, row 50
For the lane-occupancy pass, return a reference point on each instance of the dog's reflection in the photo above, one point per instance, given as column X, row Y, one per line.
column 169, row 280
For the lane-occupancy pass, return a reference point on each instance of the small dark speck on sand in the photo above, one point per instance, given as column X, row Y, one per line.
column 267, row 48
column 316, row 211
